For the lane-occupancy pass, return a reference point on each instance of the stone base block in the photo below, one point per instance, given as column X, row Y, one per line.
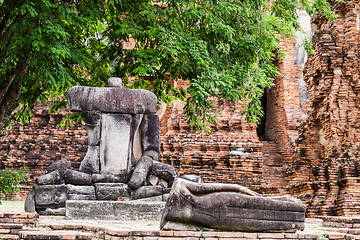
column 115, row 210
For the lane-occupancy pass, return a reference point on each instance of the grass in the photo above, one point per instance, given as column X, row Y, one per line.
column 12, row 206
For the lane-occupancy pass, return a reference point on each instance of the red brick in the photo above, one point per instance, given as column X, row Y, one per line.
column 187, row 234
column 271, row 235
column 166, row 233
column 250, row 235
column 116, row 232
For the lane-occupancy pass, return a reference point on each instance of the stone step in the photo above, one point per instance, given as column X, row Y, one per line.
column 54, row 234
column 10, row 229
column 18, row 218
column 341, row 222
column 11, row 226
column 9, row 236
column 352, row 231
column 334, row 234
column 115, row 210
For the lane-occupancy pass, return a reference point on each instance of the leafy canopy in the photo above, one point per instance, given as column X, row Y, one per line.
column 9, row 180
column 222, row 48
column 43, row 51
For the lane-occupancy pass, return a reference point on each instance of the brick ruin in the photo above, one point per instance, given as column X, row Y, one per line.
column 306, row 145
column 325, row 171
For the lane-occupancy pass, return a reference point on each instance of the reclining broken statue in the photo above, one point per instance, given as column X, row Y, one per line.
column 122, row 163
column 230, row 207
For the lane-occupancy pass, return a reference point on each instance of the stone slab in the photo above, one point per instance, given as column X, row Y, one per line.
column 111, row 100
column 115, row 141
column 115, row 210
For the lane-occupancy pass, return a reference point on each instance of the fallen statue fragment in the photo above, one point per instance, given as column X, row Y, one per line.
column 230, row 207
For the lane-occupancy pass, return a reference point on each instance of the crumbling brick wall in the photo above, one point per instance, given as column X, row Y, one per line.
column 40, row 143
column 231, row 152
column 325, row 172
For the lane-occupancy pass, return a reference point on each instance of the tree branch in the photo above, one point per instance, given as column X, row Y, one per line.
column 21, row 68
column 4, row 21
column 9, row 101
column 4, row 34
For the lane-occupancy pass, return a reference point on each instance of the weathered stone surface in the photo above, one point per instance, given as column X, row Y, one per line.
column 230, row 207
column 158, row 198
column 153, row 154
column 109, row 178
column 152, row 180
column 115, row 157
column 164, row 171
column 81, row 190
column 180, row 226
column 111, row 100
column 93, row 126
column 115, row 82
column 146, row 191
column 114, row 210
column 29, row 205
column 52, row 211
column 60, row 165
column 166, row 190
column 135, row 147
column 77, row 178
column 81, row 197
column 50, row 195
column 150, row 134
column 90, row 164
column 111, row 191
column 49, row 179
column 192, row 178
column 142, row 169
column 165, row 197
column 163, row 183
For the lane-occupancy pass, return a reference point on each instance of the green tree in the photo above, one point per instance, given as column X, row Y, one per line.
column 223, row 48
column 9, row 180
column 43, row 51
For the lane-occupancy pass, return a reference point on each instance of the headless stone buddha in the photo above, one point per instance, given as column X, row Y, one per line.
column 122, row 127
column 122, row 156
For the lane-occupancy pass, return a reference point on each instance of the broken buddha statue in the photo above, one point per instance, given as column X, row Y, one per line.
column 230, row 207
column 123, row 130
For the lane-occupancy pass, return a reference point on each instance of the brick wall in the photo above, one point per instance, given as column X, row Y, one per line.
column 40, row 143
column 325, row 172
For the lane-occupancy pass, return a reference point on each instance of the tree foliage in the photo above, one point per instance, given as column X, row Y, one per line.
column 43, row 50
column 9, row 180
column 223, row 48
